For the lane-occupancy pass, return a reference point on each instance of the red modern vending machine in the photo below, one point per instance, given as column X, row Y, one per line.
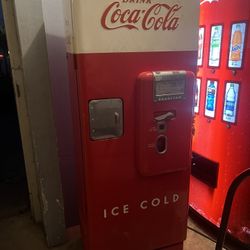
column 221, row 142
column 132, row 97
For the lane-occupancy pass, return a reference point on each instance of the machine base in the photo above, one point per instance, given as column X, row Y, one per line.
column 173, row 247
column 213, row 230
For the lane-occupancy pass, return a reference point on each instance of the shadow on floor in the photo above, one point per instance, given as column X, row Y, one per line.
column 200, row 227
column 20, row 233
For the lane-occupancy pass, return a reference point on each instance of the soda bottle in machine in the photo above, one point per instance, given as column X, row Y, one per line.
column 210, row 96
column 215, row 45
column 236, row 44
column 230, row 101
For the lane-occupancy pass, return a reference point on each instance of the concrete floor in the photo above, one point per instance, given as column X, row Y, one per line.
column 20, row 233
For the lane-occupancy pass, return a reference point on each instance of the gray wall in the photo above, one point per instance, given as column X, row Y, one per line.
column 30, row 70
column 54, row 27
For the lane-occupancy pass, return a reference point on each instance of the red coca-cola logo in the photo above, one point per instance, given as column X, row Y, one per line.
column 208, row 1
column 159, row 16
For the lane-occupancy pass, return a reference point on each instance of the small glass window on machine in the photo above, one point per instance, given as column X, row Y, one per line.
column 169, row 86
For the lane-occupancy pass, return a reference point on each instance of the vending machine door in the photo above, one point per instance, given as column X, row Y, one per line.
column 164, row 108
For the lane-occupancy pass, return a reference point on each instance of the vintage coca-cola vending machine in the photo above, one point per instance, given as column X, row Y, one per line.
column 131, row 65
column 221, row 142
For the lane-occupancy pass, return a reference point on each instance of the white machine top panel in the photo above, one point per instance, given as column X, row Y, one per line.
column 106, row 26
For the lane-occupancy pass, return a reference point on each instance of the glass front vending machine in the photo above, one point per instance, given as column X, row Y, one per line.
column 221, row 143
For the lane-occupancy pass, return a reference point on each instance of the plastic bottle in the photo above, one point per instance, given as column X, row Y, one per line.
column 236, row 44
column 230, row 101
column 210, row 96
column 215, row 45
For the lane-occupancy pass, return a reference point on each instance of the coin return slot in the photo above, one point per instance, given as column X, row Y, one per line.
column 161, row 144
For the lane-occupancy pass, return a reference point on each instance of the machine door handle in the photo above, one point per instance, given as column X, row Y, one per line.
column 117, row 117
column 167, row 116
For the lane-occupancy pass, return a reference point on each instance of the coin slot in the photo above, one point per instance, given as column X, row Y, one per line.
column 161, row 127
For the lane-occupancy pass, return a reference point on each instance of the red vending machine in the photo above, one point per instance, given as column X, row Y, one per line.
column 221, row 142
column 130, row 66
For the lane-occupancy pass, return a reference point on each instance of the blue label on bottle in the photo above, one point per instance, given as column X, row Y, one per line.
column 236, row 48
column 230, row 105
column 210, row 101
column 210, row 97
